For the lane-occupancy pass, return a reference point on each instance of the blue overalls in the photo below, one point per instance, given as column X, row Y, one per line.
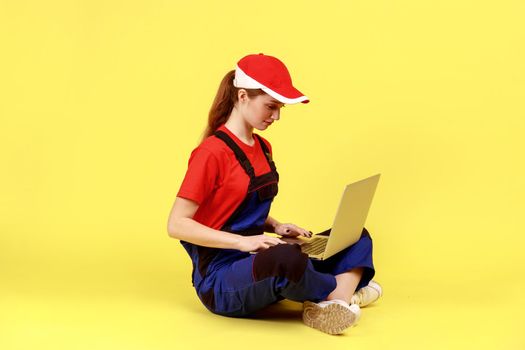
column 234, row 283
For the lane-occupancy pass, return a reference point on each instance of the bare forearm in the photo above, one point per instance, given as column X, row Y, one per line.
column 270, row 224
column 189, row 230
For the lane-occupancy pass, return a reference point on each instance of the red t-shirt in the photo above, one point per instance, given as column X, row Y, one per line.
column 216, row 180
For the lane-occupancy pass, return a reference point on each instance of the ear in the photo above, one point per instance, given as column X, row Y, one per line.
column 242, row 95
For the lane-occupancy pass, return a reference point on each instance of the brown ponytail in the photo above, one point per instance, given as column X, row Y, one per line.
column 223, row 103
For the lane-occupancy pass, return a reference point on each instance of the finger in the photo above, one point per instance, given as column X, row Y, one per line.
column 293, row 234
column 270, row 243
column 275, row 241
column 279, row 241
column 307, row 233
column 301, row 232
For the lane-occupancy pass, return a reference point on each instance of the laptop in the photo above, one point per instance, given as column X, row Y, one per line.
column 348, row 223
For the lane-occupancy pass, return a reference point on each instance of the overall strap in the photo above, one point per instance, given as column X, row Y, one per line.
column 239, row 154
column 266, row 152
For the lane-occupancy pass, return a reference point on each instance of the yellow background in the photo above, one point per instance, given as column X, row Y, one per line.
column 101, row 103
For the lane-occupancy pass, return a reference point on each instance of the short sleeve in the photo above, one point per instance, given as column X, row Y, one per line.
column 201, row 177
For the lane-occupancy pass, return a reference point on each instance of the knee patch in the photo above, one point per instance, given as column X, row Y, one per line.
column 282, row 260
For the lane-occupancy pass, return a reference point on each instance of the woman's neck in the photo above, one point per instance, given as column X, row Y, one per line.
column 240, row 128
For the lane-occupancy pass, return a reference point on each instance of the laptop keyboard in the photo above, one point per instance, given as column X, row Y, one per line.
column 316, row 246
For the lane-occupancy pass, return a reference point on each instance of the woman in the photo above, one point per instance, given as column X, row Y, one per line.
column 221, row 213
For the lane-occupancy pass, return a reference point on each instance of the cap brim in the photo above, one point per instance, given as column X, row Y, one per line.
column 288, row 95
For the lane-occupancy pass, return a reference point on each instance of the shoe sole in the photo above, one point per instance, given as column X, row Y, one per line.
column 331, row 319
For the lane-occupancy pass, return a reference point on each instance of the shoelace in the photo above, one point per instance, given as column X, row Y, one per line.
column 356, row 298
column 361, row 295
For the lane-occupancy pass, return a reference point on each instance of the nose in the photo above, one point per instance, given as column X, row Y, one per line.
column 276, row 114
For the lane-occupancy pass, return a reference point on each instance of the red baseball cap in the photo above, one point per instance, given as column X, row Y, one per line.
column 269, row 74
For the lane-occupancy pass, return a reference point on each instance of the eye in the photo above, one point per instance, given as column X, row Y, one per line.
column 271, row 107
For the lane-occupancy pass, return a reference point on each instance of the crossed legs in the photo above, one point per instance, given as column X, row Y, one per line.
column 346, row 285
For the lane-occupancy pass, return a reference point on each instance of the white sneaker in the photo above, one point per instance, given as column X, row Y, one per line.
column 367, row 295
column 331, row 316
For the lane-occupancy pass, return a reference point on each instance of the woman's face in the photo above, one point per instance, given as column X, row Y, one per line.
column 262, row 110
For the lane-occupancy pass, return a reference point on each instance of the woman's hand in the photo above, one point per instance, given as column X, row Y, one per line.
column 291, row 230
column 258, row 242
